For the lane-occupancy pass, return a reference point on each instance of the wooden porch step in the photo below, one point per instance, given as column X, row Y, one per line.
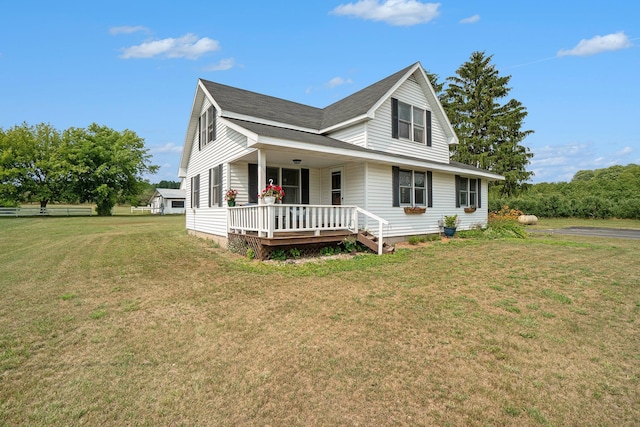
column 371, row 241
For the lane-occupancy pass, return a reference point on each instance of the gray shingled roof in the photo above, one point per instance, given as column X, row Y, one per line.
column 314, row 138
column 274, row 109
column 360, row 102
column 266, row 107
column 172, row 193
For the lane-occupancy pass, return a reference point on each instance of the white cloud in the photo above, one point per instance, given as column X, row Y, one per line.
column 598, row 44
column 169, row 147
column 470, row 20
column 394, row 12
column 624, row 151
column 127, row 29
column 222, row 65
column 337, row 81
column 188, row 46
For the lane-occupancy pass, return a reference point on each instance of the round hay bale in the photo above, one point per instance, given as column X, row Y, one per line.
column 528, row 219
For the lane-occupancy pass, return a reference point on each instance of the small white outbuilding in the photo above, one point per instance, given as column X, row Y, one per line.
column 167, row 201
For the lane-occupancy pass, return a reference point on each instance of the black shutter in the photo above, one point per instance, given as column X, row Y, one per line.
column 253, row 183
column 199, row 133
column 429, row 189
column 211, row 188
column 213, row 120
column 219, row 187
column 304, row 178
column 479, row 192
column 457, row 191
column 395, row 183
column 394, row 118
column 428, row 128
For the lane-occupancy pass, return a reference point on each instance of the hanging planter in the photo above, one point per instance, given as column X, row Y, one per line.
column 414, row 210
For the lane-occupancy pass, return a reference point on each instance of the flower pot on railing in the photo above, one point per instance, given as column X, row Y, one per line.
column 269, row 200
column 231, row 203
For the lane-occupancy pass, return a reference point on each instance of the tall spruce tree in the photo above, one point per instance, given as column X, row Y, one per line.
column 489, row 132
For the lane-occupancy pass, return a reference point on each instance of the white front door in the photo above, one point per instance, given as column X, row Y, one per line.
column 336, row 187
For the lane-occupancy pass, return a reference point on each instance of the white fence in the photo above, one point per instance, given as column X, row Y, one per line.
column 70, row 211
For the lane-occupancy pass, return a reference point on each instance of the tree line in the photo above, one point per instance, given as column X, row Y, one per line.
column 95, row 164
column 612, row 192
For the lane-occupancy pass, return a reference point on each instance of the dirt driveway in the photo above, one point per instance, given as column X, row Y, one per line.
column 595, row 232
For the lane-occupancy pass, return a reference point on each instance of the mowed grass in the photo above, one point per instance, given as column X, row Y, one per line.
column 129, row 321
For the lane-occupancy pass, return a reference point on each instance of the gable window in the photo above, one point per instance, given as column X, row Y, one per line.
column 207, row 126
column 215, row 186
column 410, row 122
column 195, row 191
column 468, row 191
column 411, row 188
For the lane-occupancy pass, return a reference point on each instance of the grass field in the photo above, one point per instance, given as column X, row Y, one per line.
column 127, row 320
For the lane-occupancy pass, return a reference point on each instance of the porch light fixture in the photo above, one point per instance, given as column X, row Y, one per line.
column 297, row 161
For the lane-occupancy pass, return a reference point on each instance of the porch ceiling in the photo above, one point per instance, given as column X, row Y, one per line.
column 309, row 159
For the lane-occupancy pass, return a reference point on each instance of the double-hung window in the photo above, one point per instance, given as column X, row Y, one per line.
column 468, row 192
column 411, row 188
column 195, row 191
column 410, row 122
column 215, row 186
column 290, row 179
column 207, row 126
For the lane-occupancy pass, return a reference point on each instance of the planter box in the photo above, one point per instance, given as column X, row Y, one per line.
column 469, row 210
column 414, row 210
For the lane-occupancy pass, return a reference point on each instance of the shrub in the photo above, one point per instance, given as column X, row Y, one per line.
column 279, row 255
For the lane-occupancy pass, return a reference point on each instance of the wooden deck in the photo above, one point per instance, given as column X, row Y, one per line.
column 307, row 242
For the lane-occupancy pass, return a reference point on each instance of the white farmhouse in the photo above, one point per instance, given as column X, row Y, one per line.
column 377, row 160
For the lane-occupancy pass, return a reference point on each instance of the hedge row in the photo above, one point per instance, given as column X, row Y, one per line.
column 555, row 206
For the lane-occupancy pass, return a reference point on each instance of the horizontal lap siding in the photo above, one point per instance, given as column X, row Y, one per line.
column 354, row 135
column 379, row 201
column 228, row 145
column 379, row 129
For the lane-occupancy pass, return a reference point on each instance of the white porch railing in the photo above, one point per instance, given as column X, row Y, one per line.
column 281, row 218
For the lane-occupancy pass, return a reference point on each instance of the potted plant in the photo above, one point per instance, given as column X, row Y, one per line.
column 272, row 193
column 230, row 197
column 470, row 209
column 450, row 225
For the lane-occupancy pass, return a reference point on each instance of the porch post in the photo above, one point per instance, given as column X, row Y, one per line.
column 262, row 173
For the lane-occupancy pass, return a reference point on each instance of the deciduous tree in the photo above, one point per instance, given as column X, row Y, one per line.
column 107, row 165
column 33, row 165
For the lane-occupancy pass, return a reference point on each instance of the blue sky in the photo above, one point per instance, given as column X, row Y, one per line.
column 575, row 65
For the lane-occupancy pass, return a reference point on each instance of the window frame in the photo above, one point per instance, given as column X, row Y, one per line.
column 207, row 126
column 215, row 186
column 415, row 128
column 468, row 191
column 195, row 191
column 413, row 189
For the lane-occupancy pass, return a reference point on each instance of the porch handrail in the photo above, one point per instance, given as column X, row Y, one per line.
column 267, row 219
column 381, row 222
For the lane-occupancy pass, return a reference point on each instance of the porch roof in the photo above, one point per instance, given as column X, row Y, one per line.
column 273, row 136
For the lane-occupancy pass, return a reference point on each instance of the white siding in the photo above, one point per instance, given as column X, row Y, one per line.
column 228, row 145
column 379, row 129
column 356, row 135
column 379, row 192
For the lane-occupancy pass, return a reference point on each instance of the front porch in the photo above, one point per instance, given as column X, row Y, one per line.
column 265, row 227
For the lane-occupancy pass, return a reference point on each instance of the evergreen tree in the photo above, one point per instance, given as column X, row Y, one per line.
column 489, row 132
